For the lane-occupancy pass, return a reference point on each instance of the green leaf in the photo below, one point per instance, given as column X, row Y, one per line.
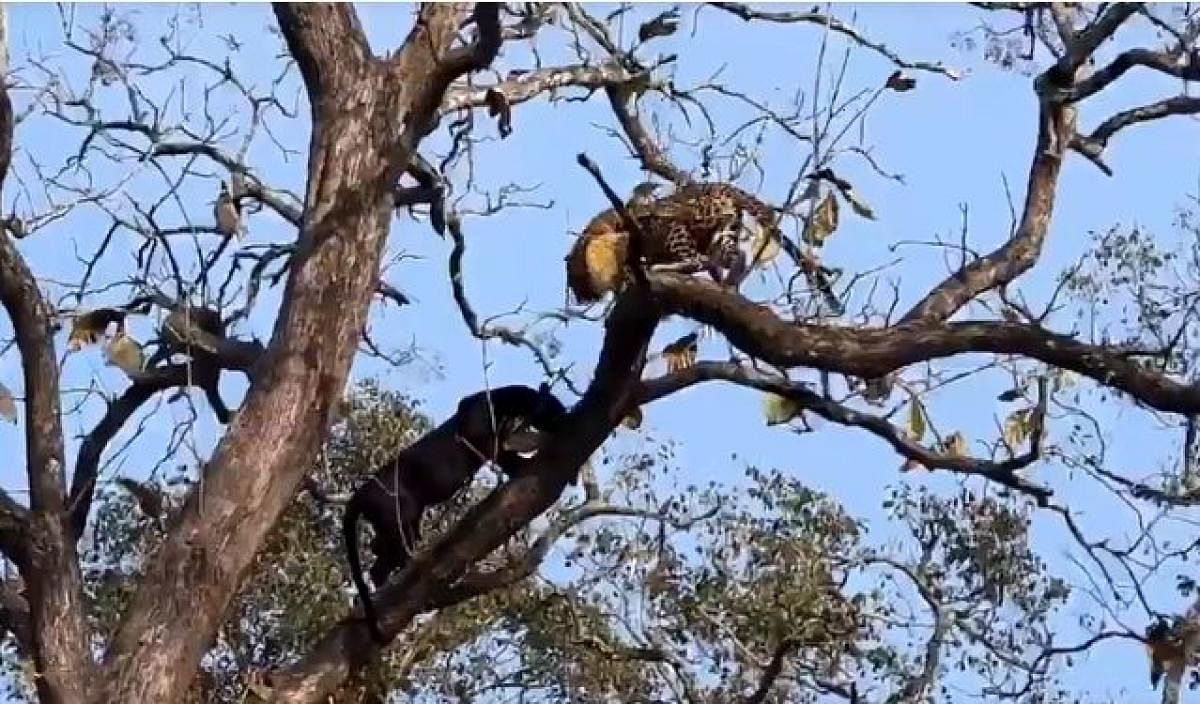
column 916, row 418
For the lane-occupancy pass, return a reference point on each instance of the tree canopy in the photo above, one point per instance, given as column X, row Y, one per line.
column 941, row 443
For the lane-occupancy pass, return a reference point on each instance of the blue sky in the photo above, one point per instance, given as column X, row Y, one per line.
column 954, row 142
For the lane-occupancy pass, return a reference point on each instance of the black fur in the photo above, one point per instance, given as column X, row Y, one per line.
column 435, row 467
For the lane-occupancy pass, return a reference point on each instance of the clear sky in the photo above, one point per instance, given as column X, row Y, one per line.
column 954, row 142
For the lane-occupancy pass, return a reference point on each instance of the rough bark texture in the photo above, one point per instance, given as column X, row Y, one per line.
column 873, row 352
column 486, row 527
column 357, row 152
column 368, row 114
column 51, row 567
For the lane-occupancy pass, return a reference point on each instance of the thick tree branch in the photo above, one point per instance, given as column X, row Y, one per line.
column 651, row 155
column 1020, row 252
column 489, row 524
column 1056, row 132
column 328, row 43
column 357, row 151
column 1180, row 66
column 1087, row 41
column 1177, row 105
column 51, row 569
column 772, row 671
column 524, row 566
column 200, row 373
column 442, row 68
column 874, row 352
column 527, row 86
column 14, row 530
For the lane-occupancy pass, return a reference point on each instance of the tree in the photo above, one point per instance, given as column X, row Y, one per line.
column 788, row 626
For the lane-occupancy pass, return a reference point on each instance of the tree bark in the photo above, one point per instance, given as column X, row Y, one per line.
column 47, row 558
column 486, row 526
column 367, row 116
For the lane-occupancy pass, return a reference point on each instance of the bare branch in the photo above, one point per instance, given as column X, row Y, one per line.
column 1021, row 251
column 1003, row 473
column 834, row 24
column 772, row 671
column 527, row 86
column 874, row 352
column 1182, row 66
column 489, row 524
column 187, row 585
column 1177, row 105
column 651, row 155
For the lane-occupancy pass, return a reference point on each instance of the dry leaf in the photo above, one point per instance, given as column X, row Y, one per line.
column 125, row 353
column 633, row 419
column 764, row 248
column 681, row 354
column 956, row 445
column 858, row 204
column 663, row 25
column 1011, row 395
column 899, row 82
column 89, row 327
column 823, row 223
column 916, row 419
column 1064, row 379
column 876, row 391
column 148, row 496
column 499, row 107
column 1017, row 427
column 779, row 409
column 8, row 405
column 192, row 326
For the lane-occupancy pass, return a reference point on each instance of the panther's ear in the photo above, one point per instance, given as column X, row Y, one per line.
column 468, row 404
column 543, row 389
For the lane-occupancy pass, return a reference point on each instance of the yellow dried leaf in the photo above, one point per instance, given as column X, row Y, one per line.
column 681, row 354
column 89, row 327
column 876, row 391
column 8, row 405
column 823, row 223
column 1016, row 427
column 1064, row 379
column 764, row 248
column 956, row 444
column 779, row 409
column 916, row 419
column 125, row 353
column 633, row 419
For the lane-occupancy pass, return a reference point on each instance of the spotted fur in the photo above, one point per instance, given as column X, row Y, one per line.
column 698, row 224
